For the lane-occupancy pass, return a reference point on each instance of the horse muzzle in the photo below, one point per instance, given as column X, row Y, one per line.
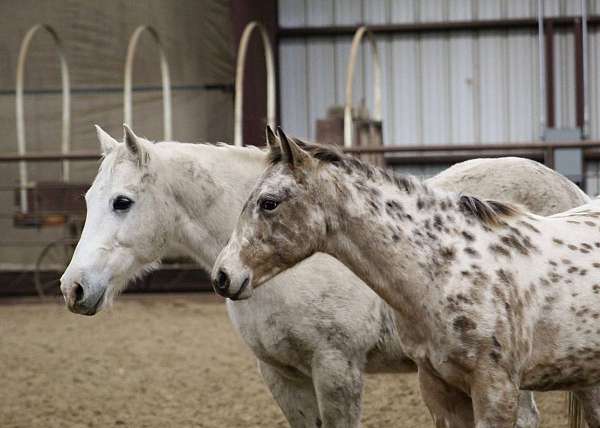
column 82, row 299
column 232, row 287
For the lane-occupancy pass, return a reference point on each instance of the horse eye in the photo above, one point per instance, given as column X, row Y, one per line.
column 268, row 204
column 122, row 203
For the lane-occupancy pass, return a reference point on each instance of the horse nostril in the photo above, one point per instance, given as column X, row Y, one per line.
column 78, row 290
column 223, row 281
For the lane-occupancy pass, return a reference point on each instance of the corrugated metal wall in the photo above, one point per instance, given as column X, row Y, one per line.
column 471, row 87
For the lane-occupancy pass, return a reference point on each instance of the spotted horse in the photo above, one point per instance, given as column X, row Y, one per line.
column 314, row 329
column 489, row 298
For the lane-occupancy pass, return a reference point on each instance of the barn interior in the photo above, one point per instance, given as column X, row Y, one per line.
column 433, row 83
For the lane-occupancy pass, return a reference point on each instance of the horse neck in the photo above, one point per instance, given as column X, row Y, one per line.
column 396, row 234
column 209, row 185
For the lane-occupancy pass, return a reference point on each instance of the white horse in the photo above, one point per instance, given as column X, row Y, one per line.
column 489, row 298
column 522, row 181
column 314, row 329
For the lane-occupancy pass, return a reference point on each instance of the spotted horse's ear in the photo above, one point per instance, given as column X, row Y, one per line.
column 272, row 141
column 291, row 152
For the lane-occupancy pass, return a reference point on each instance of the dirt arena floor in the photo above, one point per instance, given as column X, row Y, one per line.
column 161, row 361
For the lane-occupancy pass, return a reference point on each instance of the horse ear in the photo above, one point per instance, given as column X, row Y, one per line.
column 291, row 152
column 107, row 143
column 272, row 140
column 134, row 145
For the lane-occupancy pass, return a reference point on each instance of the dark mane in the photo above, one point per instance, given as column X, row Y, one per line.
column 488, row 212
column 332, row 154
column 325, row 153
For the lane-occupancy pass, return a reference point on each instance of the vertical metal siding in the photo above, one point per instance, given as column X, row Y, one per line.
column 294, row 87
column 462, row 90
column 406, row 104
column 292, row 13
column 564, row 83
column 435, row 92
column 594, row 89
column 321, row 81
column 459, row 10
column 438, row 88
column 523, row 90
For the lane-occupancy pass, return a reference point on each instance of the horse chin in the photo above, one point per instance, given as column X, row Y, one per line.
column 244, row 292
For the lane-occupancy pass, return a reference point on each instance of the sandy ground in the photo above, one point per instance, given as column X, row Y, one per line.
column 161, row 361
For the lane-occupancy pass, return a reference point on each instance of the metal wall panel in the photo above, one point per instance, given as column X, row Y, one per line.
column 564, row 75
column 459, row 10
column 594, row 89
column 463, row 91
column 294, row 87
column 472, row 87
column 292, row 13
column 321, row 80
column 406, row 104
column 352, row 12
column 523, row 90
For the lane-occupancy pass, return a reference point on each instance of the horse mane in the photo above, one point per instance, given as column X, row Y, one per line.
column 488, row 212
column 333, row 155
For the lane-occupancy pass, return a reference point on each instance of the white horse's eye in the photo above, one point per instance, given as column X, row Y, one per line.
column 122, row 203
column 268, row 204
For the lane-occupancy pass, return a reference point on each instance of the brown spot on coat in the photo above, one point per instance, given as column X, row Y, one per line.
column 468, row 236
column 448, row 253
column 471, row 251
column 511, row 241
column 554, row 277
column 505, row 276
column 464, row 324
column 500, row 250
column 529, row 226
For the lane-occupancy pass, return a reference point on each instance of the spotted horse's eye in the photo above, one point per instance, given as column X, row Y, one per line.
column 122, row 203
column 268, row 204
